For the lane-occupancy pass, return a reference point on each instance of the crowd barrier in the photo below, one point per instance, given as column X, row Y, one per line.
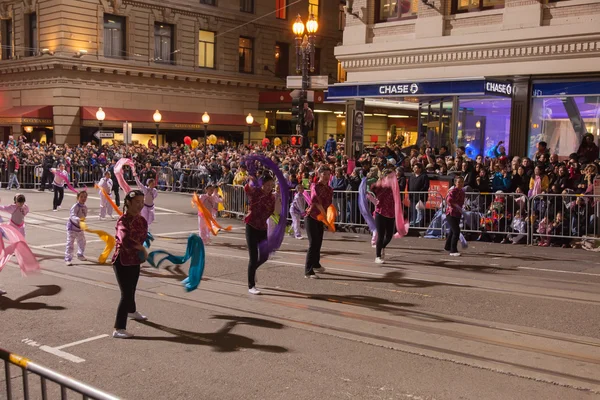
column 497, row 217
column 189, row 180
column 27, row 177
column 34, row 374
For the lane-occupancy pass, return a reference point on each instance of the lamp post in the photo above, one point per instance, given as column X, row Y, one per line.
column 305, row 62
column 157, row 118
column 100, row 115
column 205, row 120
column 249, row 122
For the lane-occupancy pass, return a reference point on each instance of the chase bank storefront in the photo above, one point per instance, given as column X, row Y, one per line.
column 475, row 114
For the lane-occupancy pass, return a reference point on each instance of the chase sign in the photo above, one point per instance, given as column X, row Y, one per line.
column 404, row 88
column 499, row 88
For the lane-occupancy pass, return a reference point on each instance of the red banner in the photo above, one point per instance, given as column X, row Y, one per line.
column 438, row 190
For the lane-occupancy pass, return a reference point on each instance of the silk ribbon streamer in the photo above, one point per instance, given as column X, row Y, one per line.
column 210, row 221
column 275, row 239
column 195, row 251
column 327, row 217
column 110, row 201
column 119, row 173
column 66, row 179
column 363, row 205
column 18, row 246
column 391, row 181
column 149, row 240
column 108, row 239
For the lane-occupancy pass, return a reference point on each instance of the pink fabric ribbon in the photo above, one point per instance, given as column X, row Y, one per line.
column 65, row 178
column 18, row 246
column 119, row 173
column 402, row 227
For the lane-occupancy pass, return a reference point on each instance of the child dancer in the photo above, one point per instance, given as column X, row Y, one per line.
column 18, row 211
column 132, row 231
column 150, row 194
column 59, row 186
column 78, row 213
column 211, row 201
column 298, row 211
column 106, row 185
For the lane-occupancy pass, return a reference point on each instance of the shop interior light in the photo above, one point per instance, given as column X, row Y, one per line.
column 368, row 115
column 322, row 111
column 284, row 112
column 28, row 129
column 338, row 112
column 478, row 124
column 398, row 116
column 380, row 115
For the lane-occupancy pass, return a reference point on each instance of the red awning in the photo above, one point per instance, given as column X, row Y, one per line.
column 27, row 115
column 168, row 117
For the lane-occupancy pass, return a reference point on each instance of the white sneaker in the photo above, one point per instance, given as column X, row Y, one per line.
column 112, row 217
column 312, row 276
column 54, row 210
column 59, row 207
column 69, row 263
column 137, row 316
column 253, row 290
column 122, row 334
column 81, row 258
column 101, row 218
column 379, row 260
column 2, row 292
column 299, row 237
column 373, row 245
column 455, row 254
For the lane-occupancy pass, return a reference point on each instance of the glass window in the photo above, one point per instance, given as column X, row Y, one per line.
column 208, row 2
column 247, row 6
column 282, row 59
column 7, row 39
column 206, row 49
column 341, row 73
column 163, row 43
column 397, row 9
column 281, row 9
column 481, row 124
column 313, row 8
column 33, row 36
column 459, row 6
column 562, row 122
column 114, row 36
column 246, row 55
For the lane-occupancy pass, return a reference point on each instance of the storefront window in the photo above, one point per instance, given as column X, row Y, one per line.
column 481, row 124
column 562, row 121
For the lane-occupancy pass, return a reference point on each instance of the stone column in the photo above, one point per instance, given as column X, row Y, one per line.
column 519, row 14
column 67, row 117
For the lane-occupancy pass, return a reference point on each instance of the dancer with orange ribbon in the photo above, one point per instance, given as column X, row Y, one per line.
column 105, row 185
column 207, row 217
column 211, row 201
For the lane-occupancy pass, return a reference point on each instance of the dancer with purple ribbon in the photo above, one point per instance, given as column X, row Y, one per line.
column 321, row 197
column 384, row 216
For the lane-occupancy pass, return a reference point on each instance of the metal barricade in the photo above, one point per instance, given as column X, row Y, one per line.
column 27, row 177
column 496, row 217
column 189, row 180
column 424, row 210
column 64, row 385
column 84, row 175
column 235, row 200
column 563, row 220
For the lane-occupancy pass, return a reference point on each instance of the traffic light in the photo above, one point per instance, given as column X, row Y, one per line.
column 296, row 140
column 296, row 111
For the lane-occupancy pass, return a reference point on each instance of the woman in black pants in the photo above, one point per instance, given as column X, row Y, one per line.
column 59, row 186
column 132, row 231
column 261, row 204
column 385, row 216
column 454, row 205
column 321, row 198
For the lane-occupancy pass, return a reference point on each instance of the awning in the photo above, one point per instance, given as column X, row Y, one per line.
column 171, row 120
column 27, row 115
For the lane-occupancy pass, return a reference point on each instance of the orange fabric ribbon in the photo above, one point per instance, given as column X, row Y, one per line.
column 329, row 219
column 107, row 196
column 208, row 218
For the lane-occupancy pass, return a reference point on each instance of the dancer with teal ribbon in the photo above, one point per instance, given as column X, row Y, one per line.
column 194, row 251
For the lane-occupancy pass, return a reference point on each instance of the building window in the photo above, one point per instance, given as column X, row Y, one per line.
column 342, row 75
column 114, row 36
column 247, row 6
column 281, row 9
column 342, row 18
column 246, row 50
column 390, row 10
column 460, row 6
column 163, row 43
column 313, row 8
column 282, row 59
column 206, row 49
column 7, row 39
column 32, row 35
column 208, row 2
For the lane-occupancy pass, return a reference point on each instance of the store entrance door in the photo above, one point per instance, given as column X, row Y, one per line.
column 435, row 123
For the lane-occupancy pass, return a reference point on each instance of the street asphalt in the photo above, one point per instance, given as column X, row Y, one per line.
column 500, row 322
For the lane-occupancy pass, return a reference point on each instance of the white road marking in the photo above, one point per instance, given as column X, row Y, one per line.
column 559, row 271
column 156, row 208
column 64, row 346
column 62, row 354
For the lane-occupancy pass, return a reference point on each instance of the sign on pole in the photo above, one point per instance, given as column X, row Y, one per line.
column 315, row 82
column 104, row 135
column 127, row 131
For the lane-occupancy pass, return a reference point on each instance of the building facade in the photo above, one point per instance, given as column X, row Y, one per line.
column 479, row 71
column 61, row 60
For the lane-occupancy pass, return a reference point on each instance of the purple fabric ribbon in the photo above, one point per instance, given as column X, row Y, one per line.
column 65, row 178
column 275, row 239
column 363, row 205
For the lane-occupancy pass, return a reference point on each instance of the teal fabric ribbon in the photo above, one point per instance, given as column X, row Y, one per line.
column 194, row 251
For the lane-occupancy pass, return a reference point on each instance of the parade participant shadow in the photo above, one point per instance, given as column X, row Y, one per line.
column 241, row 247
column 19, row 303
column 486, row 269
column 46, row 257
column 222, row 341
column 396, row 278
column 175, row 273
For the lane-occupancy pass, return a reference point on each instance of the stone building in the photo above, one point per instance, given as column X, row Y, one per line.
column 478, row 71
column 61, row 60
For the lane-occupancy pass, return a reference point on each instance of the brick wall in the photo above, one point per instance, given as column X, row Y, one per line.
column 574, row 14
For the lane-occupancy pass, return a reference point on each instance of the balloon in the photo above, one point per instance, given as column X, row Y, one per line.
column 187, row 140
column 194, row 144
column 265, row 142
column 212, row 139
column 471, row 152
column 277, row 141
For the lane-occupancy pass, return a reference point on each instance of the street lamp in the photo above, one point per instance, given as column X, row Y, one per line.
column 205, row 120
column 100, row 115
column 157, row 118
column 249, row 122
